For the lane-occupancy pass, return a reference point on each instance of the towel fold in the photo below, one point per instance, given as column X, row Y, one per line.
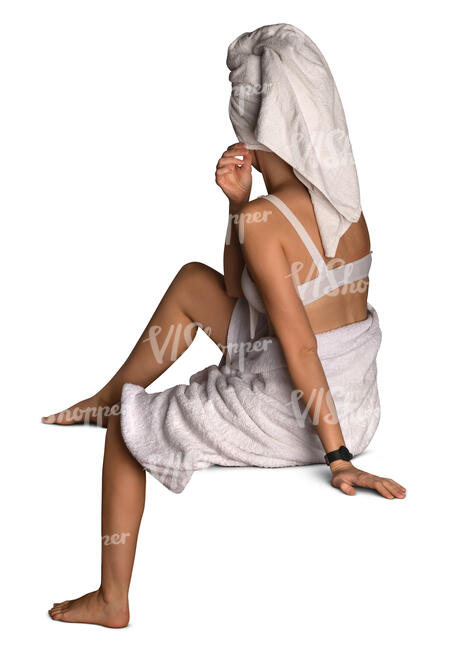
column 284, row 99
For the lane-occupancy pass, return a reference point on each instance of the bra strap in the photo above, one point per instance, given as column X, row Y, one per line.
column 302, row 232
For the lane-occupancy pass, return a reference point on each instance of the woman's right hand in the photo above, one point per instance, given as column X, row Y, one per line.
column 233, row 175
column 345, row 476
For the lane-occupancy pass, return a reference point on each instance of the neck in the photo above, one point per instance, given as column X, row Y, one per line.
column 277, row 174
column 276, row 185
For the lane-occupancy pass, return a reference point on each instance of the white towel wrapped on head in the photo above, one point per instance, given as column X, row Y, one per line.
column 284, row 99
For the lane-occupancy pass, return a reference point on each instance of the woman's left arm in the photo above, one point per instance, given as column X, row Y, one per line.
column 233, row 261
column 292, row 327
column 233, row 176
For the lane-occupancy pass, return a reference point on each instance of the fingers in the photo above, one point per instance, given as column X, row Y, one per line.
column 237, row 149
column 347, row 488
column 399, row 487
column 230, row 159
column 224, row 170
column 229, row 162
column 397, row 490
column 364, row 479
column 341, row 484
column 237, row 145
column 382, row 489
column 385, row 486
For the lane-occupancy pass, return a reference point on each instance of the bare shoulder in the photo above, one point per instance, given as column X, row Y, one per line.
column 256, row 223
column 255, row 211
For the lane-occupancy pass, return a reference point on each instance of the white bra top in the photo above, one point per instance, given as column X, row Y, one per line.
column 326, row 281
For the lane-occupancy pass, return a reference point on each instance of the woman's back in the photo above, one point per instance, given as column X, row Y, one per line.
column 343, row 305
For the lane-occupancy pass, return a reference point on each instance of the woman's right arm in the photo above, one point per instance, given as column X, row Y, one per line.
column 299, row 344
column 233, row 176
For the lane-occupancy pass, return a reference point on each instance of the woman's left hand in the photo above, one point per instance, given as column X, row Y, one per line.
column 233, row 174
column 346, row 476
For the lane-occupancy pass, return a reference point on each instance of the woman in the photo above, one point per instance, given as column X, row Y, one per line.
column 297, row 380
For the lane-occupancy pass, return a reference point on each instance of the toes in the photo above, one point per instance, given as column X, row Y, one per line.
column 56, row 418
column 57, row 607
column 58, row 613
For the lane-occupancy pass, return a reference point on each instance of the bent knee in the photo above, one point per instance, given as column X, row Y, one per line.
column 194, row 267
column 194, row 271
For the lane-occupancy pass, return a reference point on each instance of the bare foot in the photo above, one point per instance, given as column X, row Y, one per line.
column 92, row 608
column 90, row 411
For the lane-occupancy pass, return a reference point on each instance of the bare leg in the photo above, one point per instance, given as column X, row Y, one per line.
column 122, row 507
column 195, row 298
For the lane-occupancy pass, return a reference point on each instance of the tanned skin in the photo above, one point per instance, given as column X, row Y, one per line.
column 200, row 296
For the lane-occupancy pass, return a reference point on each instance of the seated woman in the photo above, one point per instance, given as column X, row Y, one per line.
column 297, row 380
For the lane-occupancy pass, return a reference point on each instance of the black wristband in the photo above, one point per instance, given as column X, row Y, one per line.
column 339, row 454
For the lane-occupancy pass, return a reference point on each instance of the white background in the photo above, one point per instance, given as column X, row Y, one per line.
column 112, row 116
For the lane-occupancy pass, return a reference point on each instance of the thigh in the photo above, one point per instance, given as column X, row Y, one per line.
column 203, row 298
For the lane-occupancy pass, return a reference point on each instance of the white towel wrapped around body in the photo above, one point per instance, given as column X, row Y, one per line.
column 244, row 411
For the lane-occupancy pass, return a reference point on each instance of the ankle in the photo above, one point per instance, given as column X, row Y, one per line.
column 108, row 397
column 101, row 398
column 114, row 596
